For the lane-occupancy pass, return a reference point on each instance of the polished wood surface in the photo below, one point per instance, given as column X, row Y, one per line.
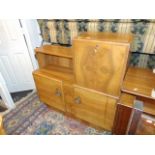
column 100, row 66
column 50, row 91
column 55, row 50
column 55, row 72
column 90, row 106
column 2, row 131
column 107, row 37
column 139, row 82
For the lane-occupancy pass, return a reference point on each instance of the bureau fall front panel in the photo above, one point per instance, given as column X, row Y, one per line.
column 99, row 65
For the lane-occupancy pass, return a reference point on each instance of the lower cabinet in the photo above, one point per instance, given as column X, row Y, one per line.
column 88, row 105
column 91, row 106
column 50, row 91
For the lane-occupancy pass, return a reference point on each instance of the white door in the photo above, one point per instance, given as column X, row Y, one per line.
column 15, row 62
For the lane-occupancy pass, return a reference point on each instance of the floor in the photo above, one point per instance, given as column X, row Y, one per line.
column 146, row 125
column 16, row 97
column 32, row 117
column 2, row 109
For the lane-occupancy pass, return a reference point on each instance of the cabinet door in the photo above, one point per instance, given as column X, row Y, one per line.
column 90, row 106
column 99, row 65
column 50, row 91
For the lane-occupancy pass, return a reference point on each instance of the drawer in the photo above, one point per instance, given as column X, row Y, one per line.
column 50, row 91
column 90, row 106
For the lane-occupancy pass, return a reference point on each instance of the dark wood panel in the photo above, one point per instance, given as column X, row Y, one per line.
column 122, row 118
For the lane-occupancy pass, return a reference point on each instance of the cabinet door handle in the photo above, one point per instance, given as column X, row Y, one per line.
column 77, row 100
column 58, row 92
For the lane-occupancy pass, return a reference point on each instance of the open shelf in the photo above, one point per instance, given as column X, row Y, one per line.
column 53, row 71
column 55, row 51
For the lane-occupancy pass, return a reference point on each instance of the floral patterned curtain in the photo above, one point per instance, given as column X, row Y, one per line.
column 143, row 47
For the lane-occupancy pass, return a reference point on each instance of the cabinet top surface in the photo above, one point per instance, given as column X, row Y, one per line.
column 106, row 36
column 55, row 72
column 55, row 50
column 139, row 81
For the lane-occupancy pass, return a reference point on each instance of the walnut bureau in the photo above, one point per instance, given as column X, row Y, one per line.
column 84, row 80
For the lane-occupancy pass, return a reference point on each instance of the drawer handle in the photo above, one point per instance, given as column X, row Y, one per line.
column 58, row 92
column 77, row 100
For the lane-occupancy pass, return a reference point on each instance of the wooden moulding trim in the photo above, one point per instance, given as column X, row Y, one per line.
column 45, row 76
column 95, row 91
column 103, row 41
column 64, row 51
column 125, row 65
column 53, row 54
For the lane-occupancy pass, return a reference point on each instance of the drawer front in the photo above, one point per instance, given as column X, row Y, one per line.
column 50, row 91
column 100, row 66
column 90, row 106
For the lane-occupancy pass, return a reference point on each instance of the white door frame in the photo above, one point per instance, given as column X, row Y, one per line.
column 29, row 42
